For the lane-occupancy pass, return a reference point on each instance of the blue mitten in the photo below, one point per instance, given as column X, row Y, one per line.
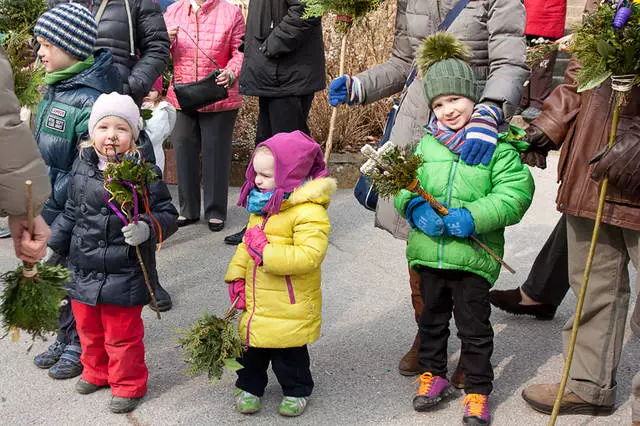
column 345, row 89
column 459, row 223
column 420, row 215
column 481, row 135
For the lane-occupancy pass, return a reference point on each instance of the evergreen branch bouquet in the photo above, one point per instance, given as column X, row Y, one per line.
column 607, row 43
column 126, row 181
column 33, row 303
column 211, row 344
column 347, row 10
column 539, row 50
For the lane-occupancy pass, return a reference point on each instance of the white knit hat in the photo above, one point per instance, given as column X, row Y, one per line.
column 116, row 105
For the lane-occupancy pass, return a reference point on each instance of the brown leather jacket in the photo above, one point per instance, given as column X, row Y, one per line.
column 581, row 123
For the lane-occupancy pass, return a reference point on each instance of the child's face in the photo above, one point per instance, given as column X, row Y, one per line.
column 454, row 111
column 152, row 96
column 112, row 135
column 263, row 165
column 53, row 58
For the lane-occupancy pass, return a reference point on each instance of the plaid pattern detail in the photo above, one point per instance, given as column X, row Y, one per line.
column 69, row 26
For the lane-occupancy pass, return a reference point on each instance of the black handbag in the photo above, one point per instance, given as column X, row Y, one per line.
column 198, row 94
column 364, row 191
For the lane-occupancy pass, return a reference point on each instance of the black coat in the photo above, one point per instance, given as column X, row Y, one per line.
column 105, row 269
column 150, row 41
column 283, row 53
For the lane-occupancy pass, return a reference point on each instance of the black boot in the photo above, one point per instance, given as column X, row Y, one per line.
column 509, row 301
column 235, row 239
column 163, row 299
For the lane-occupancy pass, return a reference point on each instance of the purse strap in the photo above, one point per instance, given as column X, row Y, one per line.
column 194, row 42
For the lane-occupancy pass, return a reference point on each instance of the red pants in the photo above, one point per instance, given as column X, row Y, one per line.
column 112, row 347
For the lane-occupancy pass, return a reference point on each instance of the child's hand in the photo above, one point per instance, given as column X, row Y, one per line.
column 459, row 223
column 136, row 233
column 236, row 289
column 255, row 240
column 421, row 215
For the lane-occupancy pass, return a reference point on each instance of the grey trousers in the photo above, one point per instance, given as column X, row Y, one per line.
column 602, row 323
column 206, row 134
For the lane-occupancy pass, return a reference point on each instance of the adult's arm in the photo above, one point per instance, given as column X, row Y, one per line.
column 237, row 33
column 20, row 159
column 291, row 33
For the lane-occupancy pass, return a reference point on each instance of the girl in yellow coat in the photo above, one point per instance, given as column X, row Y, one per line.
column 275, row 272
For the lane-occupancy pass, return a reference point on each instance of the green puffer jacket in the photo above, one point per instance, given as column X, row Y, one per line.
column 496, row 195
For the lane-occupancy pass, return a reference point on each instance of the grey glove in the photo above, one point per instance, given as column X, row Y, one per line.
column 136, row 233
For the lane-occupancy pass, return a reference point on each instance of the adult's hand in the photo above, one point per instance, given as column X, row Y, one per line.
column 225, row 79
column 539, row 147
column 27, row 248
column 173, row 31
column 621, row 163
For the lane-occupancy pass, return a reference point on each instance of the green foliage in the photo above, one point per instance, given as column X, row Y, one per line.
column 438, row 47
column 27, row 78
column 128, row 168
column 537, row 53
column 400, row 168
column 17, row 15
column 33, row 304
column 603, row 50
column 354, row 9
column 210, row 344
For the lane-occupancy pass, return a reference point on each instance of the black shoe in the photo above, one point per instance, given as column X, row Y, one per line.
column 235, row 239
column 49, row 357
column 216, row 226
column 185, row 222
column 509, row 301
column 119, row 404
column 163, row 298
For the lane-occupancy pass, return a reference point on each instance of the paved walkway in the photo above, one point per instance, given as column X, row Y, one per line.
column 367, row 328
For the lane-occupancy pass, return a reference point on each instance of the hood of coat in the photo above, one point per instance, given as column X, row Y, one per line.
column 317, row 191
column 102, row 76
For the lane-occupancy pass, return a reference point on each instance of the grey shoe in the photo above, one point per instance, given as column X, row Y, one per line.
column 85, row 388
column 49, row 357
column 69, row 365
column 120, row 405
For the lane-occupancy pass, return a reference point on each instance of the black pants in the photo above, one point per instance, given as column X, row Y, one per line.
column 290, row 365
column 284, row 114
column 548, row 280
column 466, row 295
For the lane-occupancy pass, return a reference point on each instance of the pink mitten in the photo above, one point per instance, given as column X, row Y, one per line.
column 236, row 288
column 255, row 240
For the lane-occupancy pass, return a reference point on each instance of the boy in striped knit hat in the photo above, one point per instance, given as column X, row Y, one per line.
column 482, row 199
column 75, row 77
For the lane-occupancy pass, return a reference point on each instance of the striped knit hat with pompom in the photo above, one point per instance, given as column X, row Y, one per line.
column 69, row 26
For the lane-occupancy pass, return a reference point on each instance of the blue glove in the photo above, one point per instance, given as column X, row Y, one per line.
column 345, row 89
column 459, row 223
column 481, row 135
column 420, row 215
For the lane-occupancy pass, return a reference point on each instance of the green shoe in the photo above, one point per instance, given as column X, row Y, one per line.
column 246, row 403
column 292, row 406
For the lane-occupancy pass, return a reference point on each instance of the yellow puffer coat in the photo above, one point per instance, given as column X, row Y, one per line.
column 284, row 300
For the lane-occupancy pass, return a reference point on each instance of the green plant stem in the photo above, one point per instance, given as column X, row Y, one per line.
column 585, row 277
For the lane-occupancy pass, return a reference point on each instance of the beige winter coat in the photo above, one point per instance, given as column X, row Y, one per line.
column 494, row 31
column 20, row 159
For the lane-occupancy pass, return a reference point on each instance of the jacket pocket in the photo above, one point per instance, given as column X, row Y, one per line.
column 292, row 296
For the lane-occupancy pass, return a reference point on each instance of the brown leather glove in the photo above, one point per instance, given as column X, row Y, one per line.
column 621, row 162
column 539, row 147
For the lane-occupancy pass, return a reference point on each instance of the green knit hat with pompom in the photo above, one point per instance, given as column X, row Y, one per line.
column 442, row 60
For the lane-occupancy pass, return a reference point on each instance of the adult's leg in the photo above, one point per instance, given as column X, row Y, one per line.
column 187, row 146
column 291, row 367
column 94, row 355
column 288, row 113
column 124, row 331
column 471, row 311
column 253, row 377
column 216, row 130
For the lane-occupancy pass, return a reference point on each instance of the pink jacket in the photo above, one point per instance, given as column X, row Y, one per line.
column 217, row 27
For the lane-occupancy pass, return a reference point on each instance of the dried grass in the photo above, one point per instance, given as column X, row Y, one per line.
column 369, row 43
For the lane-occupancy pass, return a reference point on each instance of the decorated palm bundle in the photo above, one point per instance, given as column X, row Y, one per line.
column 126, row 181
column 211, row 344
column 31, row 297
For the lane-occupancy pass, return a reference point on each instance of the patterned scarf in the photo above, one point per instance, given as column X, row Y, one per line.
column 447, row 137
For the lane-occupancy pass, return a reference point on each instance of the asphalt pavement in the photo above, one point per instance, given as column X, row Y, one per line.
column 367, row 326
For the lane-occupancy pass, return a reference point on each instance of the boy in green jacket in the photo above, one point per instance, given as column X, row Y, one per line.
column 455, row 275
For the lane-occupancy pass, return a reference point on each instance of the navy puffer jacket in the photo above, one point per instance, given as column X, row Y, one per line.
column 104, row 268
column 62, row 122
